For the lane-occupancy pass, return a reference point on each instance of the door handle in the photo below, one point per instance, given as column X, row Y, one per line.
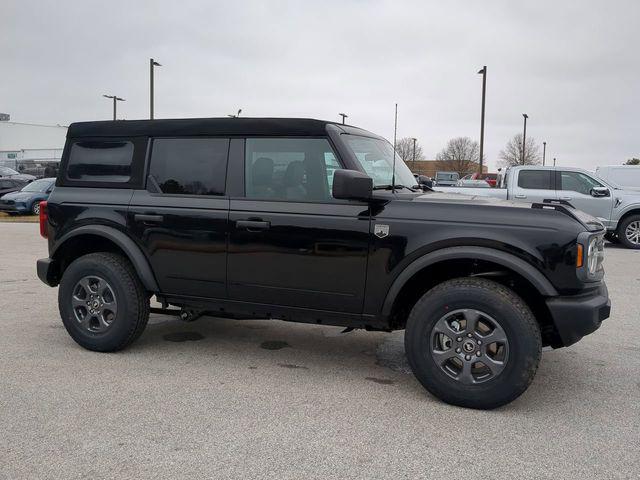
column 565, row 198
column 138, row 217
column 521, row 196
column 253, row 225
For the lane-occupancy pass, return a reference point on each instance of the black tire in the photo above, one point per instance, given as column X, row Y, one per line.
column 131, row 299
column 611, row 236
column 622, row 232
column 514, row 317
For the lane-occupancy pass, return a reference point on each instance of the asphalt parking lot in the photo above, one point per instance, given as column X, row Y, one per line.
column 267, row 399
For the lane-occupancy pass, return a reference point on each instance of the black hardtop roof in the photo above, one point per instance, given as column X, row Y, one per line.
column 207, row 126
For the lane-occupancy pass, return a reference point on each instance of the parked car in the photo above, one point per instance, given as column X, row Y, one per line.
column 423, row 181
column 490, row 178
column 27, row 200
column 616, row 207
column 8, row 185
column 444, row 179
column 470, row 182
column 623, row 176
column 236, row 218
column 6, row 172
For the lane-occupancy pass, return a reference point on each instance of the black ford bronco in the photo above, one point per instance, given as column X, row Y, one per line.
column 308, row 221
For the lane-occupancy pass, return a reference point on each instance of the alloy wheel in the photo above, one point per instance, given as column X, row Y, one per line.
column 94, row 304
column 469, row 346
column 632, row 232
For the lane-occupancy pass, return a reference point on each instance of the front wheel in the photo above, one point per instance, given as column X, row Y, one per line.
column 473, row 343
column 629, row 232
column 35, row 208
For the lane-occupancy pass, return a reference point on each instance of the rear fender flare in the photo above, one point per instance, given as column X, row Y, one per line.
column 126, row 244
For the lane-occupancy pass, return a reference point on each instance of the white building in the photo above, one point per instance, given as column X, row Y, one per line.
column 30, row 143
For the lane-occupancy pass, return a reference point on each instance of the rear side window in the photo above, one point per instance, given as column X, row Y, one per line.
column 106, row 161
column 536, row 179
column 188, row 166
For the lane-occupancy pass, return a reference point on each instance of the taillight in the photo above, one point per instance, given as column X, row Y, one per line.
column 44, row 219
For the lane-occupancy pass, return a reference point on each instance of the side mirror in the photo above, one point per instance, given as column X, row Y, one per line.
column 351, row 185
column 600, row 192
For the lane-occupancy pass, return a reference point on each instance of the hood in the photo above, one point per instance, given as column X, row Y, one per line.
column 19, row 196
column 459, row 198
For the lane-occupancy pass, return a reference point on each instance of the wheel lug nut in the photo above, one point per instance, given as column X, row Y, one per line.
column 467, row 357
column 479, row 342
column 469, row 335
column 478, row 353
column 458, row 350
column 459, row 339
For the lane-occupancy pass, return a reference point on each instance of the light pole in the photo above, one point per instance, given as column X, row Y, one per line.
column 544, row 152
column 554, row 161
column 483, row 72
column 115, row 99
column 343, row 115
column 414, row 152
column 524, row 137
column 152, row 63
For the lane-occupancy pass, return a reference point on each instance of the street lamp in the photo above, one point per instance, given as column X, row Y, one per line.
column 524, row 136
column 414, row 152
column 544, row 152
column 343, row 115
column 115, row 99
column 152, row 63
column 483, row 72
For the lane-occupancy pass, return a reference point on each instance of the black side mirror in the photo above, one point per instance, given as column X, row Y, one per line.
column 351, row 185
column 600, row 192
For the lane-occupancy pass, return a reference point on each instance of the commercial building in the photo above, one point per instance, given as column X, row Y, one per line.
column 430, row 167
column 30, row 147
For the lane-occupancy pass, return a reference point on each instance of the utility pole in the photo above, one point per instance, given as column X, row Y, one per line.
column 483, row 71
column 343, row 115
column 414, row 152
column 152, row 63
column 524, row 137
column 544, row 152
column 554, row 161
column 115, row 99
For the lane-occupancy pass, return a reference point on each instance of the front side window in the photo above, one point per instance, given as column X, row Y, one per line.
column 376, row 158
column 188, row 166
column 101, row 161
column 293, row 169
column 578, row 182
column 38, row 186
column 536, row 179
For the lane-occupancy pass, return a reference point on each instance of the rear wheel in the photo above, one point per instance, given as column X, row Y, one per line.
column 35, row 208
column 103, row 305
column 473, row 343
column 629, row 232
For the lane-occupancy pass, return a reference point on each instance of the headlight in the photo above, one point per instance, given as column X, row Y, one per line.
column 590, row 257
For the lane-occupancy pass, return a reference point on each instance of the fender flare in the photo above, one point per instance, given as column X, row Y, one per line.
column 128, row 246
column 528, row 271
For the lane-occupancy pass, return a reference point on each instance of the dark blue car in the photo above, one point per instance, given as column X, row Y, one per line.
column 28, row 199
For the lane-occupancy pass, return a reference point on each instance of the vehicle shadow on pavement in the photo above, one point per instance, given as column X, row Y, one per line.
column 283, row 348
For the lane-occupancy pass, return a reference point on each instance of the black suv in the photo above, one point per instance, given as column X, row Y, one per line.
column 308, row 221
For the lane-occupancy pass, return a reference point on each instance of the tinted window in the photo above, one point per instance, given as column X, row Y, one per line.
column 289, row 169
column 536, row 179
column 578, row 182
column 100, row 161
column 189, row 166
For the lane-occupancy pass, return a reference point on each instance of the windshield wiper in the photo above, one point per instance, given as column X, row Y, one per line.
column 392, row 187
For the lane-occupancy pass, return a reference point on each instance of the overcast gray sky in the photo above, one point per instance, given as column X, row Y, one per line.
column 573, row 66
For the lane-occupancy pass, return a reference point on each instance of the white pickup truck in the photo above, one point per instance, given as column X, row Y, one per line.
column 616, row 207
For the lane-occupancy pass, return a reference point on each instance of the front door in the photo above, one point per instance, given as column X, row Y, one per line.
column 576, row 188
column 291, row 243
column 181, row 219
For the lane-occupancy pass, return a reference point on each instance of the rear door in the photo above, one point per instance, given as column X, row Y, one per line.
column 181, row 218
column 291, row 243
column 534, row 185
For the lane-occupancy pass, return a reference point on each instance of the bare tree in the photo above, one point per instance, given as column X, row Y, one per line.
column 404, row 147
column 460, row 155
column 633, row 161
column 512, row 153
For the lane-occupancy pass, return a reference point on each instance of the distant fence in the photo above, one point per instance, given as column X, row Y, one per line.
column 37, row 167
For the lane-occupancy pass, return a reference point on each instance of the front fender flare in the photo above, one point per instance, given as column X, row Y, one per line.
column 128, row 246
column 507, row 260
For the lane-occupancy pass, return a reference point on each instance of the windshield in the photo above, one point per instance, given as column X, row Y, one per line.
column 376, row 158
column 37, row 186
column 7, row 171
